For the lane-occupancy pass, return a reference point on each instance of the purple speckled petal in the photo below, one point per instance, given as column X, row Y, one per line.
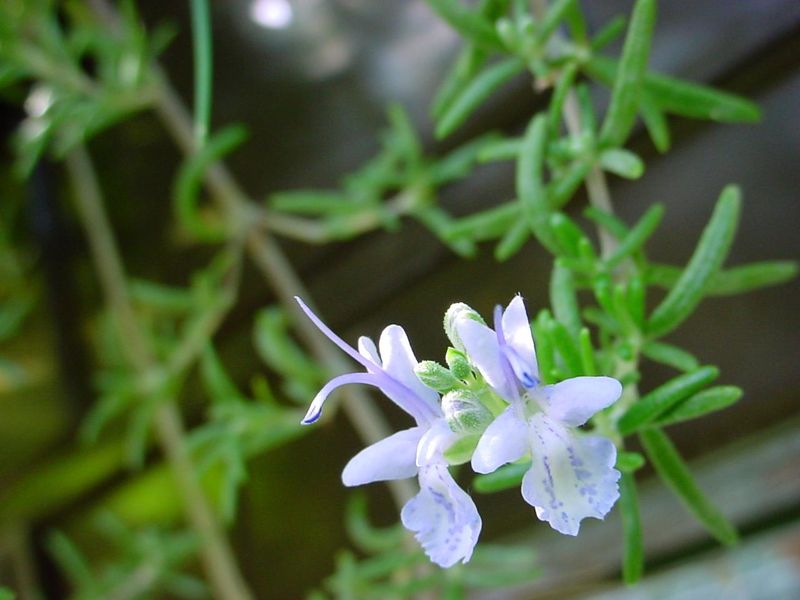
column 504, row 441
column 574, row 400
column 572, row 476
column 443, row 517
column 391, row 458
column 521, row 352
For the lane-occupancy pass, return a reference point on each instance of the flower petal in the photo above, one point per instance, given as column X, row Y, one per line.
column 483, row 350
column 391, row 458
column 517, row 332
column 399, row 362
column 443, row 516
column 572, row 476
column 435, row 441
column 504, row 441
column 574, row 400
column 367, row 349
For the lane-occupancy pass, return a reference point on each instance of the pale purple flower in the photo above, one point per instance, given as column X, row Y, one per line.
column 443, row 516
column 572, row 474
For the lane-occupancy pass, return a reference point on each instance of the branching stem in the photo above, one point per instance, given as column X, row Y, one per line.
column 215, row 552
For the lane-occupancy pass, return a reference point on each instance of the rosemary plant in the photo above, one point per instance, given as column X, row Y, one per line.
column 555, row 418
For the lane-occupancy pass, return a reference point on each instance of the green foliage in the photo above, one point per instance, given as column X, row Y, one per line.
column 475, row 93
column 142, row 563
column 675, row 473
column 707, row 259
column 395, row 569
column 65, row 105
column 665, row 397
column 633, row 544
column 628, row 80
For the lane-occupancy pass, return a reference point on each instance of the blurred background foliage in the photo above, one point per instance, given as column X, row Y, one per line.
column 89, row 505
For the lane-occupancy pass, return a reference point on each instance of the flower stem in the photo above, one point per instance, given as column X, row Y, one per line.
column 215, row 552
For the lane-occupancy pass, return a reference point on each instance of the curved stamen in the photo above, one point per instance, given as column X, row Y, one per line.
column 348, row 349
column 315, row 410
column 377, row 376
column 508, row 371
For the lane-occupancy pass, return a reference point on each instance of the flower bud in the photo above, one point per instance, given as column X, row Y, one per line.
column 457, row 311
column 435, row 376
column 464, row 412
column 458, row 363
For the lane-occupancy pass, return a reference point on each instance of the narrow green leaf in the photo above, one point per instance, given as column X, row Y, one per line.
column 587, row 352
column 700, row 102
column 736, row 280
column 567, row 348
column 622, row 309
column 705, row 262
column 635, row 300
column 556, row 13
column 187, row 184
column 576, row 23
column 403, row 133
column 545, row 351
column 603, row 289
column 664, row 397
column 488, row 224
column 475, row 93
column 530, row 189
column 563, row 299
column 567, row 234
column 469, row 61
column 670, row 355
column 608, row 33
column 633, row 544
column 368, row 537
column 468, row 23
column 503, row 149
column 565, row 81
column 622, row 162
column 312, row 202
column 675, row 473
column 504, row 478
column 655, row 122
column 439, row 222
column 628, row 83
column 561, row 188
column 218, row 384
column 202, row 48
column 459, row 163
column 586, row 108
column 71, row 560
column 512, row 241
column 702, row 403
column 607, row 221
column 629, row 462
column 681, row 97
column 638, row 235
